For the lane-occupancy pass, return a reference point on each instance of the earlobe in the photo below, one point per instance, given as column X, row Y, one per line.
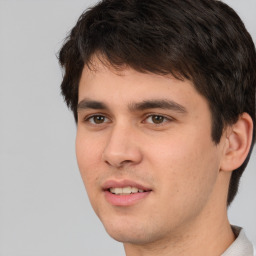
column 238, row 143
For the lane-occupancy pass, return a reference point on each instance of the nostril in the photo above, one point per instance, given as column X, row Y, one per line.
column 125, row 162
column 118, row 156
column 118, row 164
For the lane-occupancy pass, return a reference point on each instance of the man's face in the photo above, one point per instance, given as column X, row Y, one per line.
column 145, row 152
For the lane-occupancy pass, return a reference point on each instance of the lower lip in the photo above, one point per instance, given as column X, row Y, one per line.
column 125, row 200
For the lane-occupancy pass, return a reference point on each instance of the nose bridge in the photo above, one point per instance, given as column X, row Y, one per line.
column 121, row 147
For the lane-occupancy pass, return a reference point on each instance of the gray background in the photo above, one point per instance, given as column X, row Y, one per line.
column 44, row 209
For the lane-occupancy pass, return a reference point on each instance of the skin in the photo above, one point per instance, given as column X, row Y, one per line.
column 187, row 173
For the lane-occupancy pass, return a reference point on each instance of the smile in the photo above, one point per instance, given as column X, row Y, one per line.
column 126, row 190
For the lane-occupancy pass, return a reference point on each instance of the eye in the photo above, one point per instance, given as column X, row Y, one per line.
column 97, row 119
column 156, row 119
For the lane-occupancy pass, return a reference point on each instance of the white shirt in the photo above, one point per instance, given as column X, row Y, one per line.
column 241, row 246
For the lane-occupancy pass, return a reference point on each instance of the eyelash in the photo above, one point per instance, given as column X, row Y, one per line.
column 164, row 118
column 87, row 119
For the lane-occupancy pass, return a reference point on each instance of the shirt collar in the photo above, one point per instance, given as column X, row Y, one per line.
column 241, row 246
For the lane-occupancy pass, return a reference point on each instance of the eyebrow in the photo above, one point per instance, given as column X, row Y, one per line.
column 135, row 106
column 91, row 104
column 162, row 104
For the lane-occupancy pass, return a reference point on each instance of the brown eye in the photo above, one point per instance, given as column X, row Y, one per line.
column 156, row 119
column 97, row 119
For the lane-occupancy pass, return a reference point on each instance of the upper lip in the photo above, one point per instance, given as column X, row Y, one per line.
column 123, row 183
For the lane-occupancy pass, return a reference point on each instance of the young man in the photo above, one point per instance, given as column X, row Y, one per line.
column 163, row 93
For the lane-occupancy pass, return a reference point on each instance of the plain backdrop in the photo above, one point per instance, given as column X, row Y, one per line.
column 44, row 209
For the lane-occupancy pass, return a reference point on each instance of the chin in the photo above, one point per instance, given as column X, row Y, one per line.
column 132, row 232
column 128, row 237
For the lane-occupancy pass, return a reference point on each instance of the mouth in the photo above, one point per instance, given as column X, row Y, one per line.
column 126, row 190
column 124, row 193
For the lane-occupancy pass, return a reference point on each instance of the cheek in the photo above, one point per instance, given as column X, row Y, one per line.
column 88, row 158
column 187, row 169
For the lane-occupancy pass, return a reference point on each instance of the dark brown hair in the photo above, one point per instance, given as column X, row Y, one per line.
column 204, row 41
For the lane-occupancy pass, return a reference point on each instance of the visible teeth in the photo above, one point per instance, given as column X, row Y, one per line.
column 125, row 190
column 119, row 191
column 135, row 190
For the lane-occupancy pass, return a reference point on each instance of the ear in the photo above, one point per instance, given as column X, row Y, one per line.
column 237, row 143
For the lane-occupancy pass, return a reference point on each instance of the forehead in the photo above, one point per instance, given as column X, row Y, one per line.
column 99, row 67
column 101, row 81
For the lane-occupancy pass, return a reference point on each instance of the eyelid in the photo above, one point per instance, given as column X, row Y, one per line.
column 88, row 117
column 167, row 118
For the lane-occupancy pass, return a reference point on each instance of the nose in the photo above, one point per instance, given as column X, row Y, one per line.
column 122, row 148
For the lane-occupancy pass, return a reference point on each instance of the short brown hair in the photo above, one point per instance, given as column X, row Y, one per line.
column 204, row 41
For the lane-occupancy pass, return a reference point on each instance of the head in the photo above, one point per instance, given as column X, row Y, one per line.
column 202, row 43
